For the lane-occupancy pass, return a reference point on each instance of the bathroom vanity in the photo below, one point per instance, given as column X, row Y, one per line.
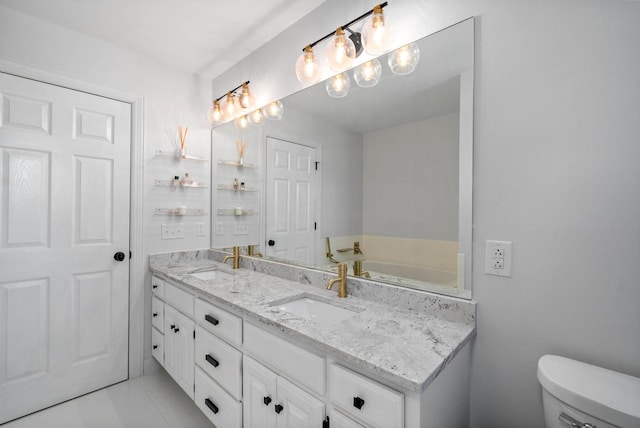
column 258, row 349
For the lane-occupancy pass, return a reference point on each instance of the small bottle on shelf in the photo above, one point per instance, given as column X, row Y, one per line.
column 186, row 181
column 235, row 184
column 176, row 180
column 242, row 185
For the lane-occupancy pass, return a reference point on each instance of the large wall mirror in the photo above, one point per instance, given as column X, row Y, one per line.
column 380, row 179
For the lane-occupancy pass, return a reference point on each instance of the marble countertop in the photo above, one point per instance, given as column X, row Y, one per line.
column 407, row 348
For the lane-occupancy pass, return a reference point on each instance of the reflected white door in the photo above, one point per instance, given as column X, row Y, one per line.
column 291, row 201
column 64, row 165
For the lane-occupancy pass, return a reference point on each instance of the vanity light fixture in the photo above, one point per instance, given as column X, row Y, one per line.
column 404, row 60
column 215, row 114
column 343, row 50
column 246, row 99
column 338, row 86
column 242, row 122
column 256, row 117
column 227, row 109
column 273, row 110
column 368, row 74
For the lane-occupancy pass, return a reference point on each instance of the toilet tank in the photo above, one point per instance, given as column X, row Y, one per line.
column 587, row 394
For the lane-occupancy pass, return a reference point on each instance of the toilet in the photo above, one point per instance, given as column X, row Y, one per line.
column 581, row 395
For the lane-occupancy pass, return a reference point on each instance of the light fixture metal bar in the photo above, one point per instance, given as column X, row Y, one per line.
column 353, row 21
column 233, row 91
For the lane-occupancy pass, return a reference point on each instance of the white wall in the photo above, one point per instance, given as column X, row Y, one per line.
column 170, row 98
column 412, row 169
column 557, row 101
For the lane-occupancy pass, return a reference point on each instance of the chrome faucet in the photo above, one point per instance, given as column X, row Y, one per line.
column 235, row 257
column 342, row 279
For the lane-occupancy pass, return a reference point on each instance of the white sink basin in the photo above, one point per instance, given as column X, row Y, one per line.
column 316, row 310
column 212, row 275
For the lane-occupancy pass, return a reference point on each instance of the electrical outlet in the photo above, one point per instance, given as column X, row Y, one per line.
column 498, row 258
column 173, row 231
column 199, row 229
column 219, row 230
column 240, row 229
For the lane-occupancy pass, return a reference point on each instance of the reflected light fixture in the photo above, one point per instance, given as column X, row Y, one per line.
column 256, row 117
column 338, row 86
column 307, row 70
column 241, row 123
column 368, row 74
column 404, row 60
column 229, row 106
column 227, row 109
column 246, row 99
column 341, row 52
column 377, row 34
column 273, row 111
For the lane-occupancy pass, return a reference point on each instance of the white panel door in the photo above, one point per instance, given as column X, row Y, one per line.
column 64, row 213
column 259, row 395
column 298, row 409
column 290, row 201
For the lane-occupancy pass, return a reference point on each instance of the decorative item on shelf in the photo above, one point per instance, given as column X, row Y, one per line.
column 235, row 184
column 404, row 60
column 242, row 185
column 341, row 51
column 181, row 210
column 182, row 134
column 241, row 145
column 186, row 180
column 338, row 86
column 238, row 211
column 176, row 181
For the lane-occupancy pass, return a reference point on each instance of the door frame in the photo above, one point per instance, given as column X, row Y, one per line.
column 136, row 263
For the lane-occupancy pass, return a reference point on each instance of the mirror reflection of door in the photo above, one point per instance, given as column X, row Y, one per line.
column 290, row 201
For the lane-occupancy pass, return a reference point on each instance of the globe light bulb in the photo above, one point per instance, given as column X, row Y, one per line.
column 246, row 99
column 215, row 114
column 241, row 123
column 377, row 34
column 230, row 107
column 307, row 70
column 368, row 74
column 340, row 52
column 405, row 59
column 338, row 86
column 256, row 117
column 273, row 111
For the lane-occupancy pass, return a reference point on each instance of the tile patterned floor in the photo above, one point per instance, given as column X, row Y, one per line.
column 151, row 401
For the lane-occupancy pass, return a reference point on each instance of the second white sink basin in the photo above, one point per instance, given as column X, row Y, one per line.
column 212, row 275
column 316, row 310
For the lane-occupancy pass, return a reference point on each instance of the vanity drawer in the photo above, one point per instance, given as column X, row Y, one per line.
column 157, row 286
column 367, row 400
column 215, row 403
column 220, row 361
column 157, row 345
column 302, row 366
column 220, row 322
column 338, row 420
column 157, row 313
column 179, row 299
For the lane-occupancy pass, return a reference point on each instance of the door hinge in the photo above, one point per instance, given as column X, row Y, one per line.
column 130, row 254
column 194, row 334
column 315, row 226
column 325, row 423
column 317, row 165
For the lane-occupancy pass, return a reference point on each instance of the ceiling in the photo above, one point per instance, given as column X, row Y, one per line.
column 205, row 37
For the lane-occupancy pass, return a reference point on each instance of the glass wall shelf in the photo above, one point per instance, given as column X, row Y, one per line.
column 173, row 155
column 179, row 212
column 170, row 183
column 237, row 212
column 236, row 163
column 236, row 189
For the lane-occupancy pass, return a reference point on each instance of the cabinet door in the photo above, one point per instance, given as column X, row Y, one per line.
column 179, row 361
column 338, row 420
column 259, row 395
column 298, row 408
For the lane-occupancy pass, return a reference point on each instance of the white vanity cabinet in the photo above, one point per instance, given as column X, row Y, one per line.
column 271, row 401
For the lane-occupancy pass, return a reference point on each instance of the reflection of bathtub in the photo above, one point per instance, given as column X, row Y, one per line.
column 410, row 272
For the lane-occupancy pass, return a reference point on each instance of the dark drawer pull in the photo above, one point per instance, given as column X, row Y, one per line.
column 155, row 346
column 266, row 400
column 155, row 314
column 279, row 408
column 358, row 402
column 172, row 326
column 211, row 319
column 177, row 329
column 154, row 286
column 211, row 406
column 211, row 360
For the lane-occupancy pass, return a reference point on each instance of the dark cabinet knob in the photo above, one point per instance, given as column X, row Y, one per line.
column 271, row 242
column 267, row 400
column 119, row 256
column 177, row 329
column 211, row 406
column 155, row 346
column 155, row 314
column 154, row 286
column 172, row 326
column 358, row 402
column 278, row 408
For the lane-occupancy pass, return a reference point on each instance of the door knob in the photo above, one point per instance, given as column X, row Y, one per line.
column 271, row 242
column 119, row 256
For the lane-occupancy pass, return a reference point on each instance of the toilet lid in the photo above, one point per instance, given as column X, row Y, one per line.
column 611, row 396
